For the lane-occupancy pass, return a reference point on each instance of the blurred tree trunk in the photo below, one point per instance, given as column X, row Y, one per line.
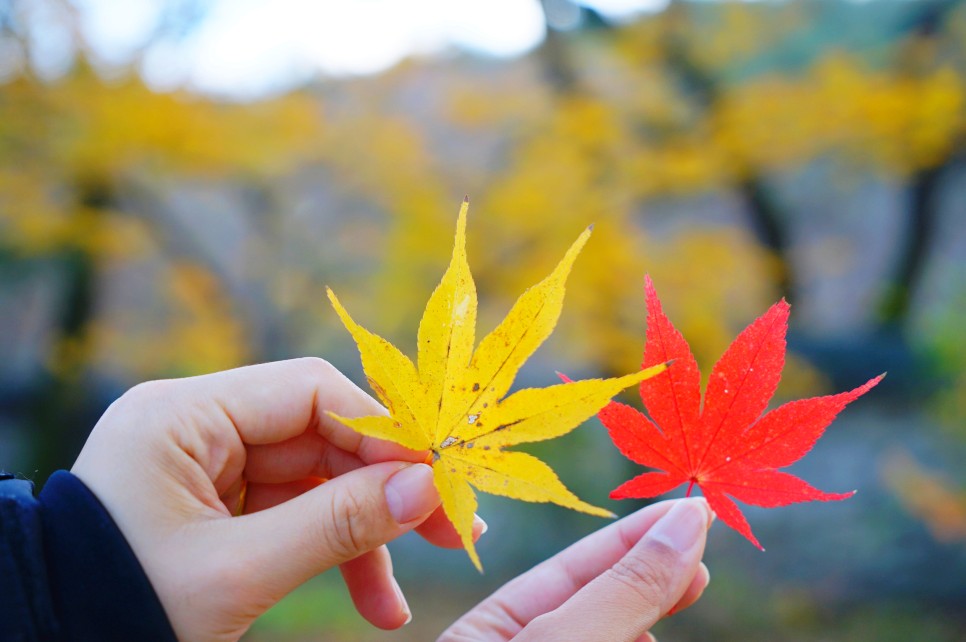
column 916, row 58
column 61, row 407
column 916, row 242
column 248, row 290
column 268, row 253
column 765, row 216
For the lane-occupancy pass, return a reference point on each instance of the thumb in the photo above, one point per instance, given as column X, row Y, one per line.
column 356, row 512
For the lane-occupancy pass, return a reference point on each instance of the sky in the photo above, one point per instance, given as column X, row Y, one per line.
column 252, row 48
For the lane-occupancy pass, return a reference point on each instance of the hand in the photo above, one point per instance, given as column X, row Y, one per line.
column 174, row 461
column 611, row 586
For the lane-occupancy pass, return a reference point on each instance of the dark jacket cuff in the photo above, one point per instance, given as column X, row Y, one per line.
column 97, row 585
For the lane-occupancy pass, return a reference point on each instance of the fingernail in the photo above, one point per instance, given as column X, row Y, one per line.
column 479, row 525
column 402, row 601
column 681, row 526
column 410, row 493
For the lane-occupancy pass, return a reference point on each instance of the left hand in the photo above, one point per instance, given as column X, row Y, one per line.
column 172, row 460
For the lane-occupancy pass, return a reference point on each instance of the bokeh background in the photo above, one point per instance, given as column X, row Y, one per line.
column 179, row 180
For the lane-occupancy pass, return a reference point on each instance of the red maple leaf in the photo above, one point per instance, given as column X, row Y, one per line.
column 725, row 447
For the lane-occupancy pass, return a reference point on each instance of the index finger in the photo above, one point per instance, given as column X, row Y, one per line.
column 273, row 402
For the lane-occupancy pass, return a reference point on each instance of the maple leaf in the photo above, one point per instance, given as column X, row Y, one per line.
column 726, row 448
column 452, row 405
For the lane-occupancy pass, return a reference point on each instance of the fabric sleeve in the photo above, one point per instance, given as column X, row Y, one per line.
column 26, row 612
column 75, row 576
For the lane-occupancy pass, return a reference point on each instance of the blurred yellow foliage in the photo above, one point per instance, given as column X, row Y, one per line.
column 72, row 148
column 928, row 496
column 880, row 120
column 588, row 160
column 604, row 153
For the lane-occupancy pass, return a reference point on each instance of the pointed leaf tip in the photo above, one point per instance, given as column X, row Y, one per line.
column 590, row 228
column 466, row 198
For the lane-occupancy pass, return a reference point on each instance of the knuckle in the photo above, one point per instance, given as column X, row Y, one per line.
column 146, row 394
column 129, row 412
column 317, row 367
column 347, row 530
column 545, row 626
column 484, row 618
column 650, row 574
column 453, row 634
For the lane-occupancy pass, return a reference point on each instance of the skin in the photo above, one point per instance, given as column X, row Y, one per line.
column 216, row 482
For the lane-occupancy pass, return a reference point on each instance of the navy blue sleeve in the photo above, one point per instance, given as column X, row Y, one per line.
column 66, row 571
column 26, row 613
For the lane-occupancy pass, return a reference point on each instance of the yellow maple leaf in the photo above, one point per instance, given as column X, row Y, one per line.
column 452, row 405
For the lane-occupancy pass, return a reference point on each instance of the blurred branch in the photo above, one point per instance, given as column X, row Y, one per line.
column 557, row 67
column 764, row 213
column 565, row 19
column 180, row 242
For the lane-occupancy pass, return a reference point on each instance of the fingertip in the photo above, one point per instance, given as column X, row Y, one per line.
column 707, row 507
column 403, row 604
column 695, row 590
column 411, row 494
column 683, row 527
column 479, row 527
column 374, row 590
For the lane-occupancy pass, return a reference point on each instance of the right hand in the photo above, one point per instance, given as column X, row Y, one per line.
column 611, row 586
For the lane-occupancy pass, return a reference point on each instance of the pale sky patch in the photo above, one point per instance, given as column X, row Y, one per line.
column 250, row 48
